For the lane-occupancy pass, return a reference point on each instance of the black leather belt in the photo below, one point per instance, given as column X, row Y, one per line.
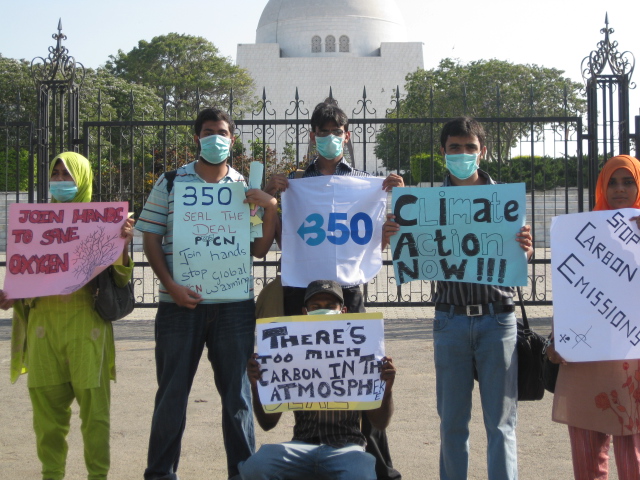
column 476, row 310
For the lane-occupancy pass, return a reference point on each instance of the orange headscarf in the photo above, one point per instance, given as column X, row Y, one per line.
column 613, row 164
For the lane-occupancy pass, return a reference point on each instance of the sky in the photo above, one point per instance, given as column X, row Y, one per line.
column 552, row 33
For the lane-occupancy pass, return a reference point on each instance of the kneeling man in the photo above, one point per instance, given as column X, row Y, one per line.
column 326, row 444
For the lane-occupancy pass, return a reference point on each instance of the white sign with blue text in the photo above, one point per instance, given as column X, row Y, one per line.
column 332, row 230
column 595, row 258
column 211, row 240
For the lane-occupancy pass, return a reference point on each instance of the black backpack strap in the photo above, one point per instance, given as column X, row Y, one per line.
column 525, row 321
column 170, row 177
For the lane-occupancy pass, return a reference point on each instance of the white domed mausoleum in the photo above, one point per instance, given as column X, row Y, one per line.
column 345, row 45
column 330, row 29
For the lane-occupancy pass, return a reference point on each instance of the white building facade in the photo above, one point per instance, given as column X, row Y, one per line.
column 340, row 45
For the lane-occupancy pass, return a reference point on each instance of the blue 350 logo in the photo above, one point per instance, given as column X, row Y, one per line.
column 339, row 229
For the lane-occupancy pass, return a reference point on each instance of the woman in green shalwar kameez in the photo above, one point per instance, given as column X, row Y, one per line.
column 68, row 350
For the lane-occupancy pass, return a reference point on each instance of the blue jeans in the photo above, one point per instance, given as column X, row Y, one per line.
column 227, row 329
column 487, row 342
column 305, row 461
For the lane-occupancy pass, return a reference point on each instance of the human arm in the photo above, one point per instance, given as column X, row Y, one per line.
column 524, row 238
column 5, row 303
column 554, row 356
column 126, row 232
column 381, row 416
column 183, row 296
column 260, row 246
column 636, row 219
column 389, row 229
column 393, row 180
column 266, row 420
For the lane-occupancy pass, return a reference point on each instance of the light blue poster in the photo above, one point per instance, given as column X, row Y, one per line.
column 460, row 234
column 211, row 240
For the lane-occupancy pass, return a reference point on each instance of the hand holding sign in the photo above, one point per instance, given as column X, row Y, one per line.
column 595, row 274
column 57, row 249
column 460, row 234
column 211, row 240
column 332, row 229
column 312, row 360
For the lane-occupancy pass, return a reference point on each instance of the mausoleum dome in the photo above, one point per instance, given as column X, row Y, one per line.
column 330, row 28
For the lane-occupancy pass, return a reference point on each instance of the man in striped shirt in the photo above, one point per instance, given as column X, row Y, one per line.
column 330, row 134
column 185, row 322
column 475, row 326
column 326, row 443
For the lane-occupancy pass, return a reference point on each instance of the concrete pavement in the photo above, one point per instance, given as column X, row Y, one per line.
column 543, row 446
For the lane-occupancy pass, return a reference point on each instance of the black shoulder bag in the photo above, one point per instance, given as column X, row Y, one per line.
column 110, row 301
column 531, row 346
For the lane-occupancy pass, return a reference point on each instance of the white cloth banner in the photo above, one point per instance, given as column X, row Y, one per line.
column 332, row 230
column 595, row 263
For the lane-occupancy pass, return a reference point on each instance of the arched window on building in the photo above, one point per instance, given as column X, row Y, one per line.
column 344, row 43
column 330, row 43
column 316, row 44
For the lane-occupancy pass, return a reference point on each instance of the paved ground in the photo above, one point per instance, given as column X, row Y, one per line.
column 543, row 447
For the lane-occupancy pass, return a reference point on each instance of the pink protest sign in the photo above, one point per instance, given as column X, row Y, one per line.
column 56, row 248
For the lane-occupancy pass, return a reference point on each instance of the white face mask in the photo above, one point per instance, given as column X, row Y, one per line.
column 214, row 149
column 462, row 165
column 324, row 311
column 329, row 147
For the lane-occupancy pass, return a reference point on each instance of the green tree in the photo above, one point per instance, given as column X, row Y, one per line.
column 108, row 97
column 183, row 66
column 425, row 167
column 483, row 88
column 15, row 79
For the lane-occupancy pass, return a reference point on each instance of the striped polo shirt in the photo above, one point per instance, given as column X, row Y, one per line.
column 335, row 428
column 343, row 168
column 157, row 215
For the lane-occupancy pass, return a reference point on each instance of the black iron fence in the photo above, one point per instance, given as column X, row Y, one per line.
column 128, row 156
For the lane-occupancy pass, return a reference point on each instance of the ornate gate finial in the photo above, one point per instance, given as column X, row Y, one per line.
column 59, row 66
column 607, row 53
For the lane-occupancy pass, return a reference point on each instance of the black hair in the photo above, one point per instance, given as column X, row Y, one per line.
column 462, row 127
column 215, row 115
column 326, row 112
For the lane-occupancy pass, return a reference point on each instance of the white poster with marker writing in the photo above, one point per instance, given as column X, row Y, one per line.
column 57, row 248
column 332, row 229
column 321, row 362
column 595, row 258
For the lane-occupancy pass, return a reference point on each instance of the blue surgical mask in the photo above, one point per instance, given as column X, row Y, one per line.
column 63, row 191
column 462, row 165
column 324, row 311
column 329, row 147
column 214, row 149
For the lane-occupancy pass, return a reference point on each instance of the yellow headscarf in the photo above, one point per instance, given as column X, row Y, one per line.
column 621, row 161
column 80, row 169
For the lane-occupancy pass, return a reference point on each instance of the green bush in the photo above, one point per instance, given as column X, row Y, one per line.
column 548, row 172
column 424, row 169
column 10, row 176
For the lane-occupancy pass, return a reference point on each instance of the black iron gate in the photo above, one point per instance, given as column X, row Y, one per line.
column 129, row 155
column 609, row 127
